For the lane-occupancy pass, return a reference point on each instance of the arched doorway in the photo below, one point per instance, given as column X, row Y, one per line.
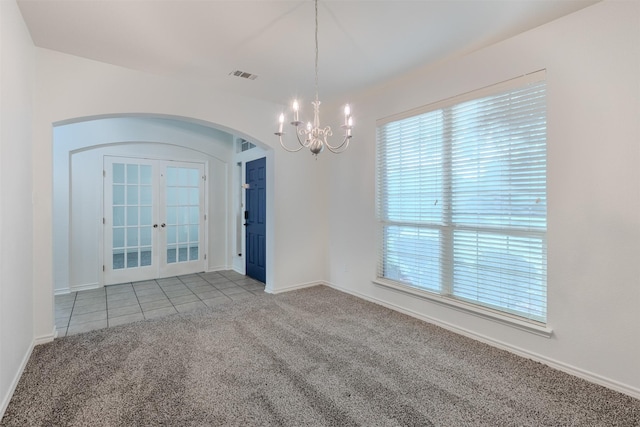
column 80, row 148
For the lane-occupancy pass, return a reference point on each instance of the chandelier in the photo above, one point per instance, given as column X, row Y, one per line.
column 313, row 136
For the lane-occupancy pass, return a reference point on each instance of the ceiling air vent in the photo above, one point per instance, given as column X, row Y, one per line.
column 243, row 74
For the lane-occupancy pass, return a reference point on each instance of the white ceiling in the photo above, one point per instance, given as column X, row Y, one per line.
column 362, row 43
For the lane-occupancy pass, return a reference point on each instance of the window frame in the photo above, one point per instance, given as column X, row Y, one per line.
column 445, row 294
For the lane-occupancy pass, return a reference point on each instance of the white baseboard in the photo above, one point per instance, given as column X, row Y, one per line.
column 293, row 287
column 560, row 366
column 14, row 383
column 85, row 287
column 43, row 339
column 238, row 265
column 62, row 291
column 219, row 268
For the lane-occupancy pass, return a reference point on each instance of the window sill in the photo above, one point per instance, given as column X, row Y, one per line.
column 505, row 319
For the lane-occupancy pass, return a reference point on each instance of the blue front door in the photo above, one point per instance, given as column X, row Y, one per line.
column 255, row 214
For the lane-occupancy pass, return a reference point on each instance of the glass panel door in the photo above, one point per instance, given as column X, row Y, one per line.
column 184, row 212
column 154, row 219
column 129, row 199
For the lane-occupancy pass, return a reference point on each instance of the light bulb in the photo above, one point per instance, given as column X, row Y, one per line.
column 347, row 114
column 296, row 107
column 280, row 122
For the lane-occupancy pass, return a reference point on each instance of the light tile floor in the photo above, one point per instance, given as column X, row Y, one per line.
column 114, row 305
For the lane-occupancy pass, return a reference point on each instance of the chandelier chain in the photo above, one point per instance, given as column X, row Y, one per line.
column 316, row 69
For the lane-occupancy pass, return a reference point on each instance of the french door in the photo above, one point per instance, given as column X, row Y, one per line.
column 153, row 219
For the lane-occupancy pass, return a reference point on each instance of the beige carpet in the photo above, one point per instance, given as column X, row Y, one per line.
column 309, row 357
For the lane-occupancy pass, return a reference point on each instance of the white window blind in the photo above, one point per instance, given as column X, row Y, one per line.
column 462, row 198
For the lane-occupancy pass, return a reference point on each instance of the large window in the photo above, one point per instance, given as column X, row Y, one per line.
column 462, row 198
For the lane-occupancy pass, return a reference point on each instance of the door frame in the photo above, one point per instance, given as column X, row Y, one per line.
column 238, row 203
column 246, row 219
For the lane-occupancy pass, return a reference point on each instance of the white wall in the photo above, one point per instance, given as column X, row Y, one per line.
column 16, row 231
column 69, row 87
column 79, row 149
column 592, row 59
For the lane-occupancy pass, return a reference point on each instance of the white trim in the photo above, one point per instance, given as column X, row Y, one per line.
column 85, row 287
column 270, row 290
column 43, row 339
column 560, row 366
column 16, row 379
column 505, row 319
column 219, row 268
column 62, row 291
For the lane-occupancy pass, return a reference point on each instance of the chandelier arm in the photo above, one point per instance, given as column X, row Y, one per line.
column 340, row 148
column 327, row 132
column 335, row 148
column 299, row 132
column 295, row 150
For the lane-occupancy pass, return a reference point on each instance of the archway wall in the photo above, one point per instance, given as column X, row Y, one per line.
column 70, row 88
column 78, row 152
